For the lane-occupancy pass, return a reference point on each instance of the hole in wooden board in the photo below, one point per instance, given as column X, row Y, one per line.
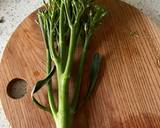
column 17, row 88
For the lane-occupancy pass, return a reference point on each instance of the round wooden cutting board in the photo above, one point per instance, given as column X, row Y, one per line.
column 128, row 89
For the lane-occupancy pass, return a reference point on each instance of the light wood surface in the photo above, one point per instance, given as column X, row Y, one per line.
column 128, row 89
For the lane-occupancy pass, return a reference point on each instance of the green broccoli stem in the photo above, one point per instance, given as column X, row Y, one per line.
column 79, row 74
column 62, row 114
column 63, row 117
column 68, row 16
column 50, row 91
column 62, row 43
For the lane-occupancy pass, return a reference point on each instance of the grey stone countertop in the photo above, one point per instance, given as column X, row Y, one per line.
column 14, row 11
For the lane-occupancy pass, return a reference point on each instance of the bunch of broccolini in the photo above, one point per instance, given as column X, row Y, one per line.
column 64, row 24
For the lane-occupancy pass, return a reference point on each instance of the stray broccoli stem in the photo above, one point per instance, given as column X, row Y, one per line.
column 63, row 23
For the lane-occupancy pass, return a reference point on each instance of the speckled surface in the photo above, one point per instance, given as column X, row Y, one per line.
column 14, row 11
column 149, row 7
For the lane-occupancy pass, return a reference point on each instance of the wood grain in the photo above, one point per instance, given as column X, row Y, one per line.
column 128, row 89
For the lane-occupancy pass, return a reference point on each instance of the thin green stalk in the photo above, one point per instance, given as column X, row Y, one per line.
column 49, row 66
column 62, row 36
column 50, row 91
column 67, row 14
column 78, row 82
column 79, row 75
column 52, row 51
column 72, row 46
